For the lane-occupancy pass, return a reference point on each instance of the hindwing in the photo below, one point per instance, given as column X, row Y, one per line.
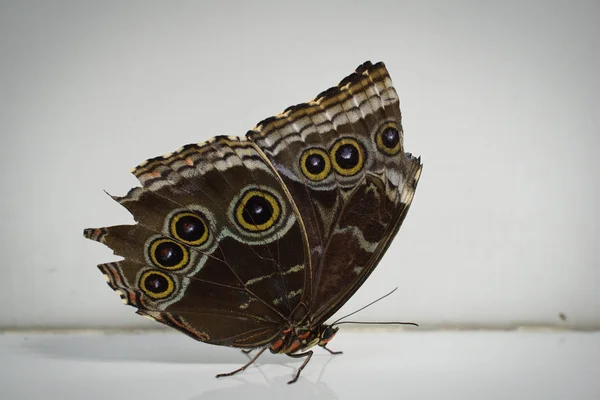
column 341, row 157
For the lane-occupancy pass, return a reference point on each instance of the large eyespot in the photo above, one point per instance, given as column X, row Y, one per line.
column 347, row 156
column 156, row 284
column 189, row 228
column 167, row 254
column 388, row 139
column 315, row 164
column 257, row 210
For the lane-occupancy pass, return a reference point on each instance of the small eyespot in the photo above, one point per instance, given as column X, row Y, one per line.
column 388, row 139
column 257, row 210
column 156, row 284
column 189, row 228
column 168, row 254
column 315, row 164
column 347, row 156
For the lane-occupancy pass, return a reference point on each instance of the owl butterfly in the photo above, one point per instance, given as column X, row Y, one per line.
column 255, row 242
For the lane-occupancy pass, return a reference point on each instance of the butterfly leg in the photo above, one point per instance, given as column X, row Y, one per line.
column 331, row 351
column 247, row 351
column 308, row 355
column 245, row 365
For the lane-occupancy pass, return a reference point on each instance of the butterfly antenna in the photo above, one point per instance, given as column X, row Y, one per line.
column 377, row 323
column 337, row 322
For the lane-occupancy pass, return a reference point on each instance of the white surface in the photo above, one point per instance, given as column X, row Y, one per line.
column 392, row 365
column 500, row 99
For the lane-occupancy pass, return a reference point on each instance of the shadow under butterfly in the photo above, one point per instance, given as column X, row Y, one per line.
column 255, row 242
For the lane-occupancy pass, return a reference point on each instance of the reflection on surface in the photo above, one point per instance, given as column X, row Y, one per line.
column 386, row 365
column 177, row 352
column 277, row 389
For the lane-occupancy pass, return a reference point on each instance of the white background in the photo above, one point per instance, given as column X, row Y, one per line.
column 501, row 100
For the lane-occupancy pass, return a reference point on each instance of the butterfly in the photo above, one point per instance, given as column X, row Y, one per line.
column 256, row 242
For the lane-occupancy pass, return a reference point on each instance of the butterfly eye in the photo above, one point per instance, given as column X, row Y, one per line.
column 327, row 335
column 166, row 253
column 189, row 228
column 257, row 211
column 388, row 139
column 315, row 164
column 347, row 156
column 156, row 284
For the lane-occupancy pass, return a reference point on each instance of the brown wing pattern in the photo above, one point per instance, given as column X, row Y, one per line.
column 218, row 252
column 341, row 157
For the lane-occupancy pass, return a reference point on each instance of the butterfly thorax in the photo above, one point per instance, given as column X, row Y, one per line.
column 303, row 338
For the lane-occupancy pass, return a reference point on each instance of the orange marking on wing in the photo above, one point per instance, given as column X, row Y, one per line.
column 115, row 277
column 189, row 162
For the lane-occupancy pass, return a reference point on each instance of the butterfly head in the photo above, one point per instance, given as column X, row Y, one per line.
column 327, row 333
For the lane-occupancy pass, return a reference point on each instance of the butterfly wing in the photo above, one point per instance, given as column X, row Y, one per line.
column 341, row 157
column 218, row 251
